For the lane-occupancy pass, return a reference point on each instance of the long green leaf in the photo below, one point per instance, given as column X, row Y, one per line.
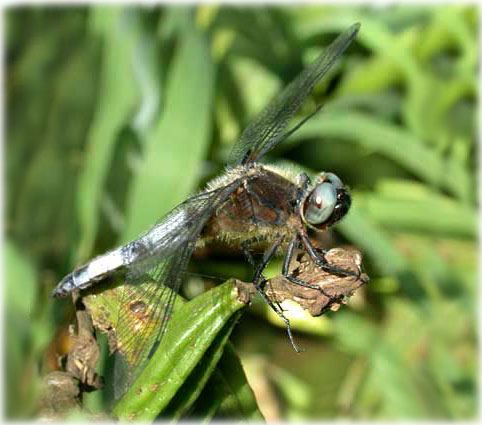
column 372, row 240
column 392, row 141
column 431, row 216
column 191, row 331
column 174, row 149
column 196, row 382
column 117, row 99
column 228, row 382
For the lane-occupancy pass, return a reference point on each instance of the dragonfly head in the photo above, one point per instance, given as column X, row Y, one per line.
column 325, row 202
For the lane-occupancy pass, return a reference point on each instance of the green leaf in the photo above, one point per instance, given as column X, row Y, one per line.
column 433, row 215
column 117, row 99
column 21, row 281
column 228, row 379
column 191, row 331
column 194, row 384
column 227, row 386
column 372, row 240
column 175, row 148
column 390, row 140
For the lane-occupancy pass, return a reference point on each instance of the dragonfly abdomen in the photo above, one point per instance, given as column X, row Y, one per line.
column 95, row 270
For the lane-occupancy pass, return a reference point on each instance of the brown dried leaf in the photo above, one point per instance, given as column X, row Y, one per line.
column 338, row 288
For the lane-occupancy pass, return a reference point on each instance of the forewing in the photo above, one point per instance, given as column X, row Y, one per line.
column 267, row 130
column 151, row 284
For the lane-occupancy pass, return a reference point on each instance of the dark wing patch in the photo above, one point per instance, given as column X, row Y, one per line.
column 267, row 130
column 152, row 283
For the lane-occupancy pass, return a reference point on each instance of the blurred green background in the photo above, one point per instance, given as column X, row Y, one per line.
column 115, row 115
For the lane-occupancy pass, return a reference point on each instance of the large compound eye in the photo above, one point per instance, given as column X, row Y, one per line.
column 321, row 203
column 334, row 180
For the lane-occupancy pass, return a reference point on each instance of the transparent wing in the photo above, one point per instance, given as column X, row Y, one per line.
column 147, row 304
column 148, row 296
column 266, row 131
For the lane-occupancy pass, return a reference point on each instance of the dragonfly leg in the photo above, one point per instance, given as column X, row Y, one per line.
column 259, row 280
column 318, row 257
column 268, row 255
column 294, row 279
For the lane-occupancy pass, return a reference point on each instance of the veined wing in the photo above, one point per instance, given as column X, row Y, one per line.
column 146, row 304
column 148, row 295
column 267, row 130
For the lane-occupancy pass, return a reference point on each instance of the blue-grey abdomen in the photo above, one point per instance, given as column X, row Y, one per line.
column 86, row 275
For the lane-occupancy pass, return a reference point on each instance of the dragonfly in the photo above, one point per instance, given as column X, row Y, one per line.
column 252, row 207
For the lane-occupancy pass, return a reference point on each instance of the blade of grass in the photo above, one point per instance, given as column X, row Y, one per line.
column 393, row 142
column 175, row 148
column 372, row 240
column 432, row 214
column 117, row 98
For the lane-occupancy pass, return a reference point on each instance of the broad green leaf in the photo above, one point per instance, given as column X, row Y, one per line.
column 190, row 333
column 228, row 379
column 227, row 385
column 194, row 384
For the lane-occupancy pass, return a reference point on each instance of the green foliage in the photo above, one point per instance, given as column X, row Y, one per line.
column 186, row 358
column 114, row 115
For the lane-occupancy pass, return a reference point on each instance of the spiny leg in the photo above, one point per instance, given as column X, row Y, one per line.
column 258, row 280
column 245, row 248
column 268, row 255
column 318, row 257
column 294, row 279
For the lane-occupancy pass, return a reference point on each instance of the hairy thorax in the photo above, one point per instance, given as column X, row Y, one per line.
column 260, row 211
